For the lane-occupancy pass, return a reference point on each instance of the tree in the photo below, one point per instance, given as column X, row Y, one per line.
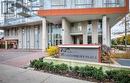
column 121, row 40
column 114, row 42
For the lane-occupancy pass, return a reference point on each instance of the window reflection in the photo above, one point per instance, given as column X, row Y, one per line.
column 89, row 27
column 54, row 34
column 100, row 32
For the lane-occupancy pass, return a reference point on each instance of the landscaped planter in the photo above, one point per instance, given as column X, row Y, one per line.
column 86, row 72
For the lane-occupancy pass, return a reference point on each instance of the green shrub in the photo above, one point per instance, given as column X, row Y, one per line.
column 70, row 68
column 89, row 71
column 56, row 68
column 51, row 67
column 98, row 74
column 120, row 76
column 38, row 65
column 61, row 68
column 45, row 66
column 82, row 71
column 86, row 71
column 41, row 59
column 76, row 69
column 32, row 63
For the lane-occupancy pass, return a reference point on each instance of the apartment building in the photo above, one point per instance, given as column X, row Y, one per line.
column 64, row 22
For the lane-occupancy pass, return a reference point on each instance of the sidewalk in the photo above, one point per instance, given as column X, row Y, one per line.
column 10, row 74
column 19, row 58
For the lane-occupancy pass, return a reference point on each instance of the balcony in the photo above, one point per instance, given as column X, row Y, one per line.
column 19, row 4
column 18, row 21
column 10, row 37
column 67, row 4
column 23, row 12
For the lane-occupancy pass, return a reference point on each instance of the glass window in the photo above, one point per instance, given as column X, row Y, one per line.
column 79, row 27
column 7, row 32
column 16, row 31
column 55, row 37
column 11, row 30
column 111, row 3
column 89, row 27
column 100, row 39
column 98, row 3
column 90, row 39
column 36, row 37
column 121, row 3
column 99, row 26
column 23, row 30
column 58, row 3
column 7, row 8
column 83, row 3
column 100, row 31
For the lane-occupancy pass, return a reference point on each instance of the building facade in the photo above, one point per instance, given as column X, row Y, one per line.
column 66, row 22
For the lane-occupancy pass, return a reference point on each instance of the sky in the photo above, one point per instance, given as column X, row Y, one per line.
column 118, row 27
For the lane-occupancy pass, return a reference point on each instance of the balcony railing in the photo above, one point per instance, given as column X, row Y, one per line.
column 16, row 21
column 66, row 4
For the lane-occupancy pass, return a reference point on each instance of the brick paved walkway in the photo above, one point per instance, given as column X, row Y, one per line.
column 19, row 58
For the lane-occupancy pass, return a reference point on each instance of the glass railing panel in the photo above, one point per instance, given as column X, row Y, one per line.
column 64, row 4
column 16, row 21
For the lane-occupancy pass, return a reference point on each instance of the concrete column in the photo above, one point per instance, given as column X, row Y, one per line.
column 5, row 32
column 44, row 34
column 40, row 37
column 6, row 44
column 105, row 30
column 109, row 36
column 31, row 37
column 94, row 32
column 24, row 38
column 66, row 37
column 20, row 37
column 85, row 37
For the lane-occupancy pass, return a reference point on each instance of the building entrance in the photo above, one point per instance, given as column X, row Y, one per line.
column 77, row 39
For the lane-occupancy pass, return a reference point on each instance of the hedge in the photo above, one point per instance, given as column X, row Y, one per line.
column 118, row 76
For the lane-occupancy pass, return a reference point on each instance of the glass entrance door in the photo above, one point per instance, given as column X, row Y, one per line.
column 77, row 39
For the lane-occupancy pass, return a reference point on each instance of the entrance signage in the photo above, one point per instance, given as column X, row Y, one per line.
column 80, row 52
